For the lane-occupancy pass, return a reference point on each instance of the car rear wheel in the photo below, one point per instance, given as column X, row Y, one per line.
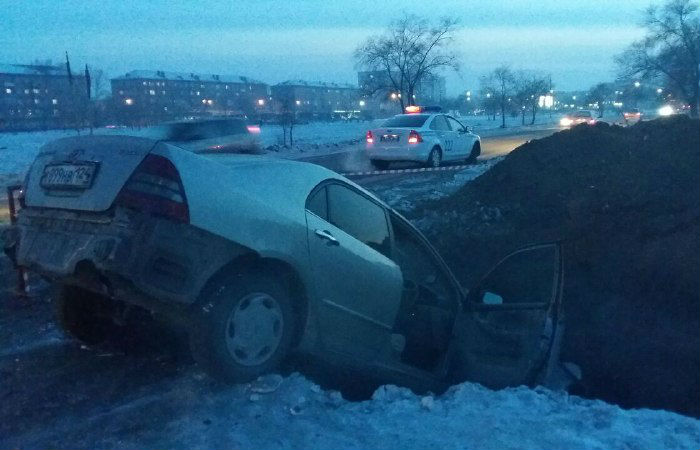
column 84, row 315
column 245, row 327
column 435, row 157
column 380, row 165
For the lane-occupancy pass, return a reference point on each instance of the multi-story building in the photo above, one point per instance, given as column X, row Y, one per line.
column 150, row 96
column 41, row 96
column 317, row 100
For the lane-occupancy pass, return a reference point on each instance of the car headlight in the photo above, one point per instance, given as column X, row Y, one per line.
column 666, row 110
column 566, row 122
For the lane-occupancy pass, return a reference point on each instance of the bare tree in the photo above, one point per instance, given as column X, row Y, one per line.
column 409, row 51
column 501, row 80
column 670, row 51
column 599, row 94
column 288, row 117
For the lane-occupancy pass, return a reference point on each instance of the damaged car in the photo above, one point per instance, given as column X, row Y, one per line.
column 260, row 259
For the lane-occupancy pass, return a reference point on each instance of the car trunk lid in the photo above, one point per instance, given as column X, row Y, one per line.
column 83, row 173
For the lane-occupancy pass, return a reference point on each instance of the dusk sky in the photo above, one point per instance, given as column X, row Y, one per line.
column 314, row 40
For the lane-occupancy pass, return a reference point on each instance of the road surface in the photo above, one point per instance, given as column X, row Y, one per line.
column 355, row 160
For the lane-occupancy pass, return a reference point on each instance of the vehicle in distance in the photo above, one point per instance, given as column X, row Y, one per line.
column 259, row 259
column 632, row 116
column 578, row 117
column 421, row 135
column 218, row 135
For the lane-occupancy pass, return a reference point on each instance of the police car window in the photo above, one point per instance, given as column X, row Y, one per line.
column 440, row 124
column 407, row 120
column 454, row 123
column 317, row 203
column 359, row 217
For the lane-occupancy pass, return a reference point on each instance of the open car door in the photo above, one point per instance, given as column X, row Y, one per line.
column 506, row 333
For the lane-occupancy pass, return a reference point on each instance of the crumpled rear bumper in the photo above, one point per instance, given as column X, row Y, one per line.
column 130, row 256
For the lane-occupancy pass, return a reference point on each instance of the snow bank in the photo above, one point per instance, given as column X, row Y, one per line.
column 292, row 412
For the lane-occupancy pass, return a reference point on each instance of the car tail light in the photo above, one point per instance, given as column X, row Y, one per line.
column 253, row 129
column 413, row 109
column 414, row 137
column 369, row 137
column 155, row 187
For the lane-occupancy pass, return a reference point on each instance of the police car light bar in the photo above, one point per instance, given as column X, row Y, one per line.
column 414, row 109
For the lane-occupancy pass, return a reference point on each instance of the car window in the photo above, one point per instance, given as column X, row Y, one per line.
column 418, row 265
column 358, row 216
column 583, row 114
column 524, row 277
column 317, row 203
column 407, row 120
column 454, row 123
column 440, row 124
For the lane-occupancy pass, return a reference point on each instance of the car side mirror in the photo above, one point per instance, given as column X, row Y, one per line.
column 465, row 130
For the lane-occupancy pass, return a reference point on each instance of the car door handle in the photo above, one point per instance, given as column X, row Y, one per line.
column 323, row 234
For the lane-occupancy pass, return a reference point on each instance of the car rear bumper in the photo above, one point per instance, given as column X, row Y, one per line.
column 417, row 153
column 129, row 256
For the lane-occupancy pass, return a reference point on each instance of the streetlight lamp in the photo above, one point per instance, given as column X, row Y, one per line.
column 362, row 103
column 637, row 84
column 261, row 102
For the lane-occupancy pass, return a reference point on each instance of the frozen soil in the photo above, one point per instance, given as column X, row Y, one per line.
column 626, row 204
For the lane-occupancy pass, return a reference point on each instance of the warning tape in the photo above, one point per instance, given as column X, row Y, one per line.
column 393, row 171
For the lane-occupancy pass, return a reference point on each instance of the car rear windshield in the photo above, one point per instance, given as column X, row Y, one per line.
column 407, row 121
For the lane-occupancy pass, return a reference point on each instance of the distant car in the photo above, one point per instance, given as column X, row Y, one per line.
column 632, row 116
column 421, row 136
column 578, row 117
column 258, row 258
column 220, row 135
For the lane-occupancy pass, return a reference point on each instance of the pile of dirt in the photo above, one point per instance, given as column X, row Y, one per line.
column 626, row 204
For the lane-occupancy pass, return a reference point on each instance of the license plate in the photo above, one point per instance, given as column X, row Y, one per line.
column 68, row 175
column 389, row 138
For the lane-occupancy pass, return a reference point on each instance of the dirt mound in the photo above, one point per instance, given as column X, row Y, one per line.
column 626, row 203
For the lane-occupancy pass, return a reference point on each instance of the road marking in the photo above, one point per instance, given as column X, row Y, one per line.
column 393, row 171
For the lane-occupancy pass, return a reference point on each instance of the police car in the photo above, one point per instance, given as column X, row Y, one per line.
column 423, row 135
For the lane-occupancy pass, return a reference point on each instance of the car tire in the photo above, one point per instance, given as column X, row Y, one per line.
column 245, row 327
column 434, row 158
column 475, row 152
column 84, row 315
column 379, row 164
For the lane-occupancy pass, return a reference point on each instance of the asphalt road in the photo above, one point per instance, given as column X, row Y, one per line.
column 354, row 160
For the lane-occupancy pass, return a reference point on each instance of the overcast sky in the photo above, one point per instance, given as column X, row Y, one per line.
column 277, row 40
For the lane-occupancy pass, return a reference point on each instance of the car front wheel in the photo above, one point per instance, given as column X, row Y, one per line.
column 245, row 327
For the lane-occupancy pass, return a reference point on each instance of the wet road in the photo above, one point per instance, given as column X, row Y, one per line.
column 492, row 146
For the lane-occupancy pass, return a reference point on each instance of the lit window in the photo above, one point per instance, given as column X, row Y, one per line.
column 26, row 91
column 8, row 91
column 54, row 101
column 121, row 92
column 144, row 83
column 197, row 92
column 151, row 92
column 36, row 101
column 128, row 101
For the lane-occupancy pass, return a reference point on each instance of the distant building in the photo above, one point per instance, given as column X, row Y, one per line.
column 40, row 96
column 317, row 100
column 150, row 96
